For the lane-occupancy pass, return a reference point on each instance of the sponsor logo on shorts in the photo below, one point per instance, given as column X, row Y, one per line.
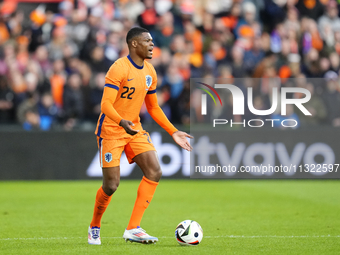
column 108, row 157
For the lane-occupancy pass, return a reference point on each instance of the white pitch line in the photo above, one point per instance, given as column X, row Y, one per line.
column 232, row 236
column 116, row 237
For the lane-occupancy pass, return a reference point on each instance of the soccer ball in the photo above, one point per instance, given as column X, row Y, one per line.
column 189, row 232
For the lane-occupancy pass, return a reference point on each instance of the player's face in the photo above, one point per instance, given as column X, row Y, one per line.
column 145, row 46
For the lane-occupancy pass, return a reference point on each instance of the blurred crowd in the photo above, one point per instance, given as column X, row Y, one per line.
column 53, row 57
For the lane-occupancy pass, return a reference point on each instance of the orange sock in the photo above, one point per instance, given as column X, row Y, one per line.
column 102, row 201
column 145, row 193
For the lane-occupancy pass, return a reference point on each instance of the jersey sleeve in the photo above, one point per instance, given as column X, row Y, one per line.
column 115, row 76
column 157, row 113
column 113, row 80
column 109, row 97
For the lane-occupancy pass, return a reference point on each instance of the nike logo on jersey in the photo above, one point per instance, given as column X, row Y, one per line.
column 148, row 201
column 130, row 79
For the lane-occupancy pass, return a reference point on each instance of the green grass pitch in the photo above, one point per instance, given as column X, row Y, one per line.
column 237, row 217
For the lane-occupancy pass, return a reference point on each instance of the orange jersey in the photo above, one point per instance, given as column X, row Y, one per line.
column 133, row 83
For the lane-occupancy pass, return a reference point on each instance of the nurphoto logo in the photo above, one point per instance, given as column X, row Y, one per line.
column 238, row 103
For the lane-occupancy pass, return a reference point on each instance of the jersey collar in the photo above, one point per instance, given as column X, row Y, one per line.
column 134, row 64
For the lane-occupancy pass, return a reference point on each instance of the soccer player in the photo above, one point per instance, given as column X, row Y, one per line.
column 129, row 82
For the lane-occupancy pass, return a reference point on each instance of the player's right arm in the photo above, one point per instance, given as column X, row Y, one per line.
column 109, row 97
column 113, row 80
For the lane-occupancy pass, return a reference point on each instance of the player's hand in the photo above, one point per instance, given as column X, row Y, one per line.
column 181, row 139
column 127, row 125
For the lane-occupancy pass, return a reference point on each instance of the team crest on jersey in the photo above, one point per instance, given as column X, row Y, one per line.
column 108, row 157
column 148, row 80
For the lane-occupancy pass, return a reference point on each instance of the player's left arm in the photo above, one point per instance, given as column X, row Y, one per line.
column 158, row 115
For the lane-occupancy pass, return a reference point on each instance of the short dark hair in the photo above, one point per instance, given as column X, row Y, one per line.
column 136, row 31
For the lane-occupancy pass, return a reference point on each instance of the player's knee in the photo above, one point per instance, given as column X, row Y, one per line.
column 110, row 188
column 159, row 174
column 156, row 175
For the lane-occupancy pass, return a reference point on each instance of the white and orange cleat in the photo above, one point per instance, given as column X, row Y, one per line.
column 139, row 235
column 94, row 236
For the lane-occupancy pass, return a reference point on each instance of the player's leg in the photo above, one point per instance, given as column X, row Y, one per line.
column 149, row 164
column 146, row 158
column 111, row 176
column 109, row 159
